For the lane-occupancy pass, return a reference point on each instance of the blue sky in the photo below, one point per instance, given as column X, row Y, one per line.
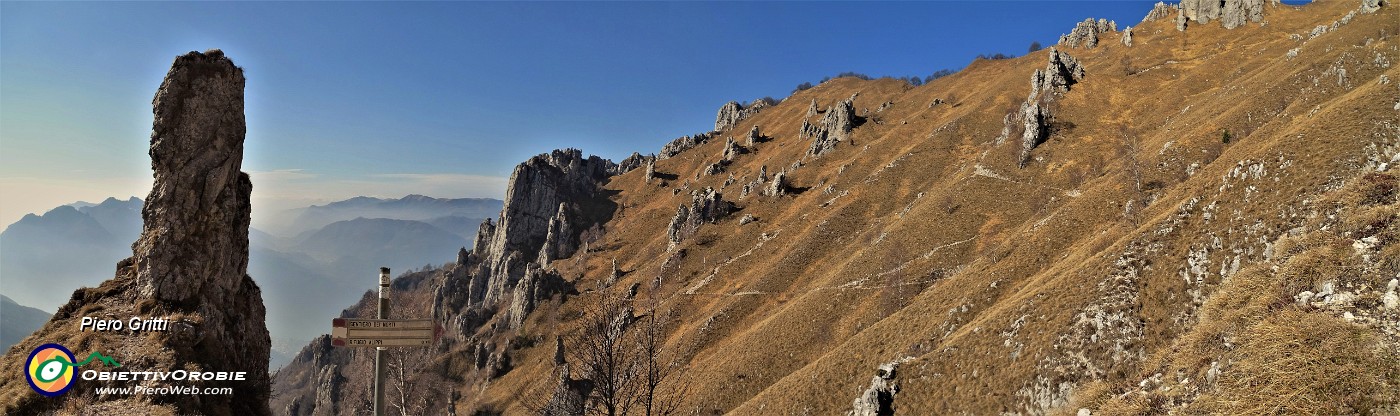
column 444, row 98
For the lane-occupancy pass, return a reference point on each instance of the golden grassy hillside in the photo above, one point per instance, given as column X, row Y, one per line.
column 1149, row 258
column 1137, row 245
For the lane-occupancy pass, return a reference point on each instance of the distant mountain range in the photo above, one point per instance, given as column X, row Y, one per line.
column 18, row 321
column 308, row 271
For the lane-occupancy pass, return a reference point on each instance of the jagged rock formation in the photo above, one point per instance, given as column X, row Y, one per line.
column 1033, row 117
column 732, row 150
column 1370, row 6
column 682, row 144
column 834, row 127
column 548, row 199
column 731, row 113
column 1231, row 13
column 812, row 108
column 754, row 135
column 706, row 206
column 537, row 285
column 190, row 261
column 636, row 160
column 1159, row 11
column 1086, row 33
column 650, row 172
column 779, row 186
column 1128, row 36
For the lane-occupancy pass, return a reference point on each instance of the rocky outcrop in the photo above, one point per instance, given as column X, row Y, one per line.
column 1180, row 19
column 1128, row 36
column 533, row 197
column 878, row 399
column 682, row 144
column 1370, row 6
column 650, row 173
column 636, row 160
column 731, row 113
column 834, row 127
column 550, row 200
column 779, row 186
column 754, row 135
column 1159, row 11
column 1086, row 33
column 1230, row 13
column 190, row 262
column 705, row 206
column 732, row 149
column 1032, row 119
column 537, row 286
column 559, row 237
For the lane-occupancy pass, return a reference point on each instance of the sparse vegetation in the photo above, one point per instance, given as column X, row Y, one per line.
column 1035, row 46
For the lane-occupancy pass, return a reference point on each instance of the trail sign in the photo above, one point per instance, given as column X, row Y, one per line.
column 346, row 332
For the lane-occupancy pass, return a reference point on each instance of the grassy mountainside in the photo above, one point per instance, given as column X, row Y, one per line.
column 1149, row 256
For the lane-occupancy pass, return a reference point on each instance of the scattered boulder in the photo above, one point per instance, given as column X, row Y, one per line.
column 748, row 218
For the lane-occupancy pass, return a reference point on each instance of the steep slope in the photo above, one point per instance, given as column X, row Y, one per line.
column 1136, row 229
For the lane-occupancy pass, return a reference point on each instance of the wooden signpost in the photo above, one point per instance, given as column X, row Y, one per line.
column 382, row 333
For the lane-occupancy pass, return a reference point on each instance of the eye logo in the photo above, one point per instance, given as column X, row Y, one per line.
column 50, row 369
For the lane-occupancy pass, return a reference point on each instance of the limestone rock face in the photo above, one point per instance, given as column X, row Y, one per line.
column 190, row 262
column 1128, row 36
column 537, row 286
column 533, row 197
column 779, row 186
